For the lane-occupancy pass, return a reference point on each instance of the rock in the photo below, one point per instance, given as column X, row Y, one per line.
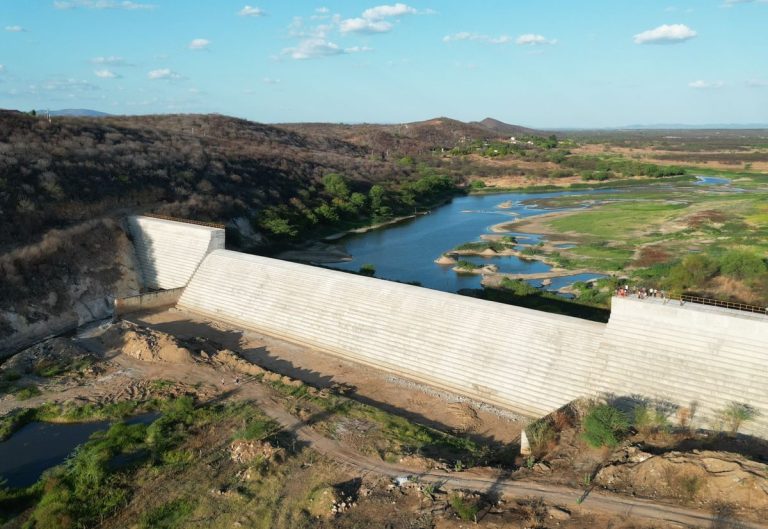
column 242, row 451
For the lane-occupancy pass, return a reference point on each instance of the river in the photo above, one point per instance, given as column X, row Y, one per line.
column 407, row 251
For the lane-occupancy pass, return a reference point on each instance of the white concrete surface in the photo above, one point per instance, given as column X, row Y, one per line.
column 168, row 251
column 520, row 359
column 686, row 353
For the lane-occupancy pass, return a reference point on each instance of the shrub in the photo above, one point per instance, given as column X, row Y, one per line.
column 464, row 509
column 466, row 265
column 367, row 270
column 27, row 392
column 540, row 434
column 735, row 414
column 742, row 264
column 649, row 420
column 604, row 425
column 519, row 287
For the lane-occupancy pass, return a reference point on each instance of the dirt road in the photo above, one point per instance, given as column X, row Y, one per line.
column 596, row 501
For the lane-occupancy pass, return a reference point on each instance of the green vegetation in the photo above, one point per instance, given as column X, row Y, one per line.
column 649, row 420
column 27, row 392
column 467, row 266
column 735, row 414
column 336, row 207
column 170, row 515
column 464, row 509
column 391, row 436
column 98, row 480
column 50, row 412
column 604, row 425
column 367, row 270
column 518, row 287
column 540, row 435
column 500, row 245
column 541, row 300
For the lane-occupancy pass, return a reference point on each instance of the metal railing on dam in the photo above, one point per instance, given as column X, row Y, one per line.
column 516, row 358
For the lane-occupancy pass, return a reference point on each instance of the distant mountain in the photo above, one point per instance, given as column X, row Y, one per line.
column 504, row 128
column 75, row 112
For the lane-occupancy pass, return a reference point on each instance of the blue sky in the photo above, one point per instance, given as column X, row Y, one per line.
column 540, row 63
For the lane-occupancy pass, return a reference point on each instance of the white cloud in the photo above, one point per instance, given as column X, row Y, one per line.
column 704, row 85
column 105, row 74
column 322, row 10
column 385, row 11
column 364, row 25
column 250, row 11
column 164, row 74
column 199, row 44
column 665, row 34
column 112, row 60
column 101, row 4
column 373, row 19
column 531, row 39
column 314, row 48
column 467, row 36
column 14, row 29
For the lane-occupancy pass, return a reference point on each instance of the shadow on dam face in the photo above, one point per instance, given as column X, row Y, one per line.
column 216, row 338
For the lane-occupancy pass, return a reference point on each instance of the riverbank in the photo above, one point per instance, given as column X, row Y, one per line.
column 371, row 227
column 580, row 185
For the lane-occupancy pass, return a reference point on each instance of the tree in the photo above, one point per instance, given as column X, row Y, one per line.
column 336, row 186
column 357, row 200
column 376, row 196
column 742, row 264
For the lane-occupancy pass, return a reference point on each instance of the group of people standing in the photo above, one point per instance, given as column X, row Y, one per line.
column 641, row 293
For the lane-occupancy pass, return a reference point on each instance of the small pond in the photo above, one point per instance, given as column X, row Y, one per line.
column 38, row 446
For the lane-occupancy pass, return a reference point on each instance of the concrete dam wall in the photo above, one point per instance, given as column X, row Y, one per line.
column 519, row 359
column 169, row 252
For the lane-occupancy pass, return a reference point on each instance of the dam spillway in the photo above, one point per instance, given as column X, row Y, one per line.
column 531, row 362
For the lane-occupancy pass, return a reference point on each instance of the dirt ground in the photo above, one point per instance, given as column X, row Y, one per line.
column 651, row 155
column 427, row 406
column 172, row 353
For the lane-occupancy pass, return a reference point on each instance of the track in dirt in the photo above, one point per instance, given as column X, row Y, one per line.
column 596, row 501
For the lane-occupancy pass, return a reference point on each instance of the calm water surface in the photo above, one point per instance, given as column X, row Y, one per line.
column 39, row 446
column 406, row 251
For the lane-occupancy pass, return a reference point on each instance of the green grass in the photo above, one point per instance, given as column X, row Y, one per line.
column 170, row 515
column 394, row 435
column 463, row 508
column 67, row 413
column 617, row 221
column 26, row 392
